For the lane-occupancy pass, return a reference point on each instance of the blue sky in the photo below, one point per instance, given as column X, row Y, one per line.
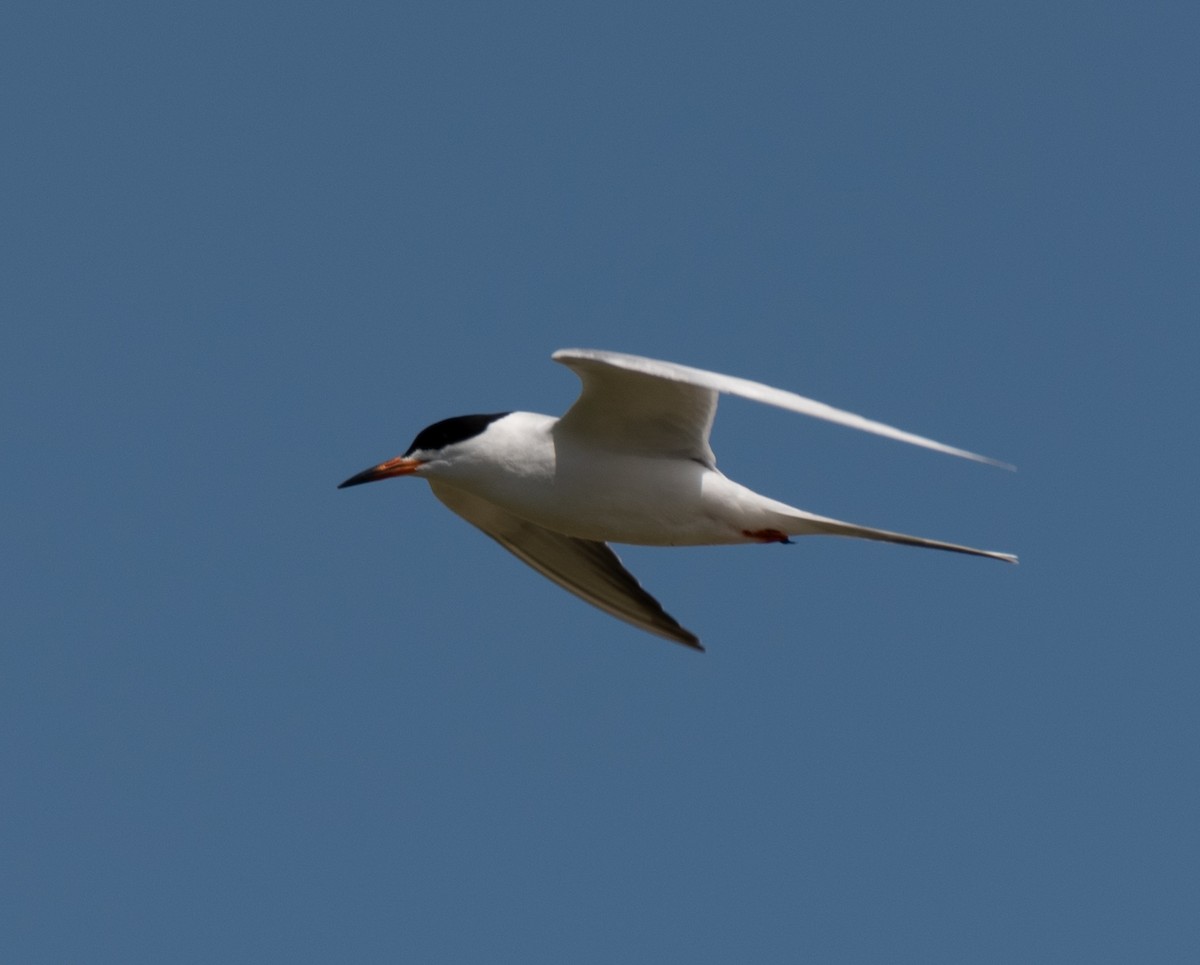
column 251, row 248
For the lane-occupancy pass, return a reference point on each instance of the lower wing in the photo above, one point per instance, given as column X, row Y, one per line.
column 587, row 568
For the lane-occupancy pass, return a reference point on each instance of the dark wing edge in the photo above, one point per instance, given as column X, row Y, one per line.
column 587, row 568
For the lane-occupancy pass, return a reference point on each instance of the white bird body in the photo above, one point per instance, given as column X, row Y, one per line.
column 527, row 464
column 628, row 463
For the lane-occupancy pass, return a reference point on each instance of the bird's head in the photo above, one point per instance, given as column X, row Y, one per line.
column 434, row 445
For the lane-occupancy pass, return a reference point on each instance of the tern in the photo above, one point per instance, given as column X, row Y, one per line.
column 629, row 462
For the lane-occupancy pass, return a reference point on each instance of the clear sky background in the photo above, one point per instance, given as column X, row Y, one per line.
column 250, row 248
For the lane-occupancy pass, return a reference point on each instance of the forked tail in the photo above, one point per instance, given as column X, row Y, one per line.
column 799, row 523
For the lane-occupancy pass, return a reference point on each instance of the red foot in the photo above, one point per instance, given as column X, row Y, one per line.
column 766, row 535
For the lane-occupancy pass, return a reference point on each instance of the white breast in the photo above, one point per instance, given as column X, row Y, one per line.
column 529, row 467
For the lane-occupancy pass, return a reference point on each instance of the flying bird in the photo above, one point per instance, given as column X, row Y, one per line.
column 629, row 462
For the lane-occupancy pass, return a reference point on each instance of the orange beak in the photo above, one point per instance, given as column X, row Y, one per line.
column 400, row 466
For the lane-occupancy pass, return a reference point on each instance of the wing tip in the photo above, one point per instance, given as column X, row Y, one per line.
column 671, row 629
column 998, row 463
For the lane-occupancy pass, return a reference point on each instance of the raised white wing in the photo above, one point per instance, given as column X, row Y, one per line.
column 587, row 568
column 634, row 403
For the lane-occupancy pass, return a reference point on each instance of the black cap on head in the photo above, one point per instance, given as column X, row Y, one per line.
column 449, row 431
